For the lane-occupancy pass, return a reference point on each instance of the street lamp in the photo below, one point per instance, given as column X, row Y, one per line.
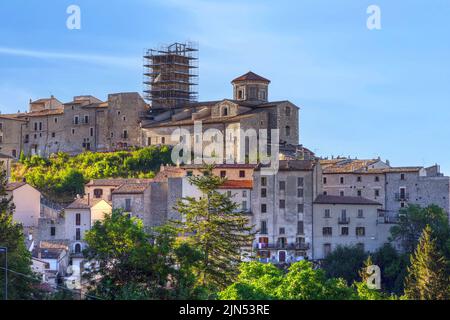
column 5, row 250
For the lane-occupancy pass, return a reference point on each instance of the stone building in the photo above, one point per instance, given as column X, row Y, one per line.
column 282, row 210
column 5, row 164
column 346, row 221
column 86, row 123
column 393, row 187
column 250, row 109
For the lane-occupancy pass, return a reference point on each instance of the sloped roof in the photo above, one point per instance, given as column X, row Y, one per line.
column 14, row 185
column 115, row 182
column 237, row 184
column 132, row 188
column 83, row 203
column 293, row 165
column 250, row 76
column 326, row 199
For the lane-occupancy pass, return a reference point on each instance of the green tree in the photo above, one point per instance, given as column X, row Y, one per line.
column 393, row 268
column 214, row 226
column 129, row 267
column 21, row 280
column 259, row 281
column 345, row 262
column 412, row 221
column 427, row 277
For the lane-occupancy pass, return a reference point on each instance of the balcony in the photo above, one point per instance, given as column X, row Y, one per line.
column 282, row 246
column 343, row 220
column 402, row 196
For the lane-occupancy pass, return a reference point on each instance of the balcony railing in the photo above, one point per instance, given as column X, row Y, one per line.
column 343, row 220
column 285, row 246
column 401, row 196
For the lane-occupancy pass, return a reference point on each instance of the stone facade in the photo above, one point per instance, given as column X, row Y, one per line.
column 86, row 123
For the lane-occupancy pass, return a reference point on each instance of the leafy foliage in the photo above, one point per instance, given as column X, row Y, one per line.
column 61, row 177
column 413, row 221
column 258, row 281
column 133, row 264
column 345, row 262
column 19, row 258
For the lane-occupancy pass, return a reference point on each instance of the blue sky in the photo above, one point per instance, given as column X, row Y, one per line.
column 363, row 93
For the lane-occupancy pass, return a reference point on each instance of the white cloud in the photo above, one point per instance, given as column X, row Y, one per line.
column 123, row 62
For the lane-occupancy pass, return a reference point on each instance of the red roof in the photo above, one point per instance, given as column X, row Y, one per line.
column 250, row 76
column 237, row 184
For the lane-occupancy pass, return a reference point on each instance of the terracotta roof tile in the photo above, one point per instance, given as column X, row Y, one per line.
column 251, row 76
column 237, row 184
column 132, row 188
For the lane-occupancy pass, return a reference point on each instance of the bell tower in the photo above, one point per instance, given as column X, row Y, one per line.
column 251, row 87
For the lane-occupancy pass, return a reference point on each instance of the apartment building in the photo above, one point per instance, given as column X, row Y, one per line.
column 282, row 211
column 346, row 221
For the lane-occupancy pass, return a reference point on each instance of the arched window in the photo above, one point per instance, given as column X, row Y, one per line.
column 78, row 248
column 225, row 111
column 288, row 131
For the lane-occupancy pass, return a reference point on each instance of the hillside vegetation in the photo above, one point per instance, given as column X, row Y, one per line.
column 61, row 177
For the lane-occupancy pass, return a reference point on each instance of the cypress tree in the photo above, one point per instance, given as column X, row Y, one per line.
column 214, row 225
column 427, row 278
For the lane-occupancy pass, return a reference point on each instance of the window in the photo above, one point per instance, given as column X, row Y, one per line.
column 78, row 234
column 282, row 185
column 282, row 204
column 124, row 118
column 324, row 180
column 242, row 174
column 229, row 194
column 52, row 231
column 53, row 134
column 359, row 192
column 377, row 192
column 327, row 213
column 78, row 219
column 35, row 126
column 125, row 134
column 263, row 181
column 360, row 213
column 288, row 131
column 300, row 193
column 149, row 141
column 325, row 193
column 263, row 208
column 263, row 193
column 86, row 119
column 281, row 231
column 300, row 226
column 341, row 179
column 327, row 231
column 40, row 126
column 300, row 182
column 341, row 193
column 163, row 140
column 253, row 93
column 326, row 249
column 91, row 132
column 127, row 205
column 98, row 193
column 56, row 120
column 73, row 131
column 189, row 173
column 300, row 208
column 244, row 205
column 112, row 134
column 402, row 176
column 14, row 153
column 360, row 231
column 244, row 193
column 344, row 231
column 263, row 227
column 223, row 174
column 75, row 120
column 225, row 111
column 377, row 179
column 78, row 248
column 240, row 94
column 358, row 179
column 288, row 111
column 402, row 204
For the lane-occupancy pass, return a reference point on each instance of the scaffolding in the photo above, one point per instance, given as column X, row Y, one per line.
column 171, row 75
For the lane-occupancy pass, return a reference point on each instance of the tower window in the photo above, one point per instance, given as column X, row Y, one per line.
column 288, row 131
column 288, row 111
